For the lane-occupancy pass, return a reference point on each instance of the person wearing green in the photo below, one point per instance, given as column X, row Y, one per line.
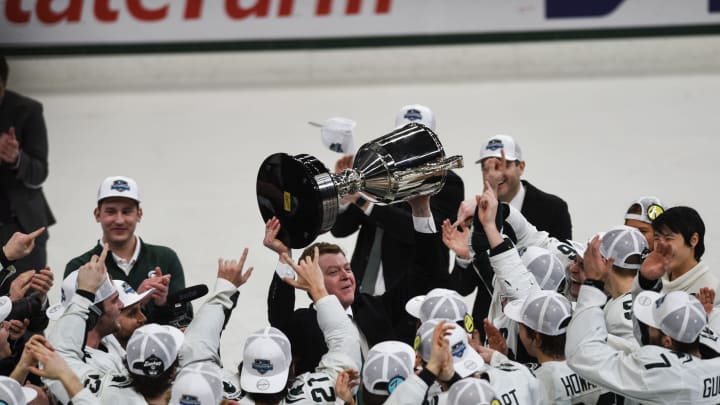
column 142, row 265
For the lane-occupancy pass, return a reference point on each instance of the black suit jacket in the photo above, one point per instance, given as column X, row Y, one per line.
column 379, row 318
column 398, row 245
column 23, row 186
column 547, row 212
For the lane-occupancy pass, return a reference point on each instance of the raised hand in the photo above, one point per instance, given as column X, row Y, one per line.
column 456, row 240
column 706, row 296
column 487, row 204
column 493, row 170
column 93, row 274
column 9, row 147
column 20, row 244
column 466, row 212
column 272, row 228
column 345, row 162
column 161, row 285
column 310, row 276
column 346, row 381
column 495, row 339
column 232, row 270
column 20, row 286
column 657, row 263
column 440, row 362
column 596, row 267
column 42, row 281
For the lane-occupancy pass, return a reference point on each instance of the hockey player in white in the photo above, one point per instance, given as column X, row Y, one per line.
column 665, row 371
column 266, row 372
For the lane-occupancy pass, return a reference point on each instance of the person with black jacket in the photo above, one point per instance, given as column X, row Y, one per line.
column 378, row 318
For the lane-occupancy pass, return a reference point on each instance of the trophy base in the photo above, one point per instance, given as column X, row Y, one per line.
column 298, row 191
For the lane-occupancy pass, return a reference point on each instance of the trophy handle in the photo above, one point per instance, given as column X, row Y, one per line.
column 453, row 162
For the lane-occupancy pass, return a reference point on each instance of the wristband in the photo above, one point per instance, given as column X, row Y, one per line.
column 595, row 283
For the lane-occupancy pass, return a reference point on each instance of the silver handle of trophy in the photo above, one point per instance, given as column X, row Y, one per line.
column 453, row 162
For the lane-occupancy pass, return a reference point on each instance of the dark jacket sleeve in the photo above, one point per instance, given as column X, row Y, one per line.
column 33, row 165
column 348, row 222
column 281, row 304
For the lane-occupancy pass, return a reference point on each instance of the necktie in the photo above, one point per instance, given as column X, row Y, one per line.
column 373, row 266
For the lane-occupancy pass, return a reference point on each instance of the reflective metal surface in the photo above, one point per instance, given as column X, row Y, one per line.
column 304, row 195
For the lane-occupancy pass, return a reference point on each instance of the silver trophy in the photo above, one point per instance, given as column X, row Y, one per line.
column 408, row 162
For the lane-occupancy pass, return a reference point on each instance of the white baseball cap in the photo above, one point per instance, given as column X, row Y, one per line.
column 650, row 208
column 471, row 391
column 338, row 134
column 626, row 245
column 198, row 383
column 12, row 393
column 546, row 312
column 545, row 266
column 415, row 113
column 466, row 360
column 118, row 186
column 493, row 146
column 266, row 362
column 677, row 314
column 67, row 291
column 388, row 364
column 127, row 294
column 441, row 303
column 412, row 306
column 152, row 349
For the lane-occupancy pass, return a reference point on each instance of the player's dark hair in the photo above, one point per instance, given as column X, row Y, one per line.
column 4, row 71
column 368, row 398
column 552, row 346
column 636, row 209
column 323, row 248
column 687, row 348
column 627, row 272
column 152, row 387
column 685, row 221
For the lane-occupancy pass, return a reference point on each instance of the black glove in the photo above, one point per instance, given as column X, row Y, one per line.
column 478, row 240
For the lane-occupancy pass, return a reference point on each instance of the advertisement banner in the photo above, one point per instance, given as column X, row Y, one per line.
column 51, row 23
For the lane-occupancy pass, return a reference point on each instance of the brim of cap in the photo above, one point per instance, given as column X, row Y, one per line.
column 471, row 362
column 637, row 217
column 413, row 305
column 137, row 298
column 513, row 310
column 262, row 384
column 710, row 339
column 29, row 393
column 54, row 312
column 644, row 313
column 508, row 157
column 118, row 195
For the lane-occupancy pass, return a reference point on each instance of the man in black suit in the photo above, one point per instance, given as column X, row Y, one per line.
column 378, row 318
column 385, row 246
column 547, row 212
column 23, row 169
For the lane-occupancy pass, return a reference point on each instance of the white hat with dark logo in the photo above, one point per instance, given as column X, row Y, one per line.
column 388, row 364
column 493, row 146
column 127, row 294
column 118, row 186
column 67, row 291
column 415, row 113
column 152, row 349
column 546, row 312
column 266, row 362
column 677, row 314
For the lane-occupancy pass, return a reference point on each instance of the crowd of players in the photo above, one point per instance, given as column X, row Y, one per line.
column 626, row 317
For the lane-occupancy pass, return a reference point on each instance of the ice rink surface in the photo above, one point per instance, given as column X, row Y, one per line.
column 598, row 141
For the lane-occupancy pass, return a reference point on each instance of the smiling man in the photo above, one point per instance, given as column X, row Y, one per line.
column 142, row 265
column 547, row 212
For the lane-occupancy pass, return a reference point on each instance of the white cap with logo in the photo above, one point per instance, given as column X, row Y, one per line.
column 118, row 186
column 546, row 312
column 466, row 360
column 415, row 113
column 545, row 266
column 472, row 391
column 266, row 362
column 626, row 245
column 650, row 208
column 152, row 349
column 677, row 314
column 127, row 294
column 388, row 364
column 338, row 134
column 493, row 146
column 198, row 383
column 67, row 291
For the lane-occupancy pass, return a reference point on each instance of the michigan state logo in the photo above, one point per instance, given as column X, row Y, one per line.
column 416, row 343
column 654, row 211
column 469, row 323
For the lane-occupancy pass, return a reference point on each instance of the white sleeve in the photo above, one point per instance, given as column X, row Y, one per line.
column 85, row 397
column 341, row 337
column 202, row 337
column 409, row 392
column 68, row 338
column 512, row 276
column 528, row 235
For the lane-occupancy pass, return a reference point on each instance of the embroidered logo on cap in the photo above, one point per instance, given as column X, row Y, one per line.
column 494, row 144
column 186, row 399
column 458, row 349
column 153, row 366
column 120, row 185
column 413, row 115
column 262, row 366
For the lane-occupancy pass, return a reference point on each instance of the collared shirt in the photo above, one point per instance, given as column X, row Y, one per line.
column 126, row 265
column 364, row 347
column 517, row 201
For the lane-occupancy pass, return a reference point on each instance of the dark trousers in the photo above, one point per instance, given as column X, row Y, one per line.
column 37, row 259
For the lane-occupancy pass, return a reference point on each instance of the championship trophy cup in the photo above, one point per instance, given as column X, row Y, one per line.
column 305, row 196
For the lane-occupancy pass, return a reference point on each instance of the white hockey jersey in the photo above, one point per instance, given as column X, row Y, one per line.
column 648, row 375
